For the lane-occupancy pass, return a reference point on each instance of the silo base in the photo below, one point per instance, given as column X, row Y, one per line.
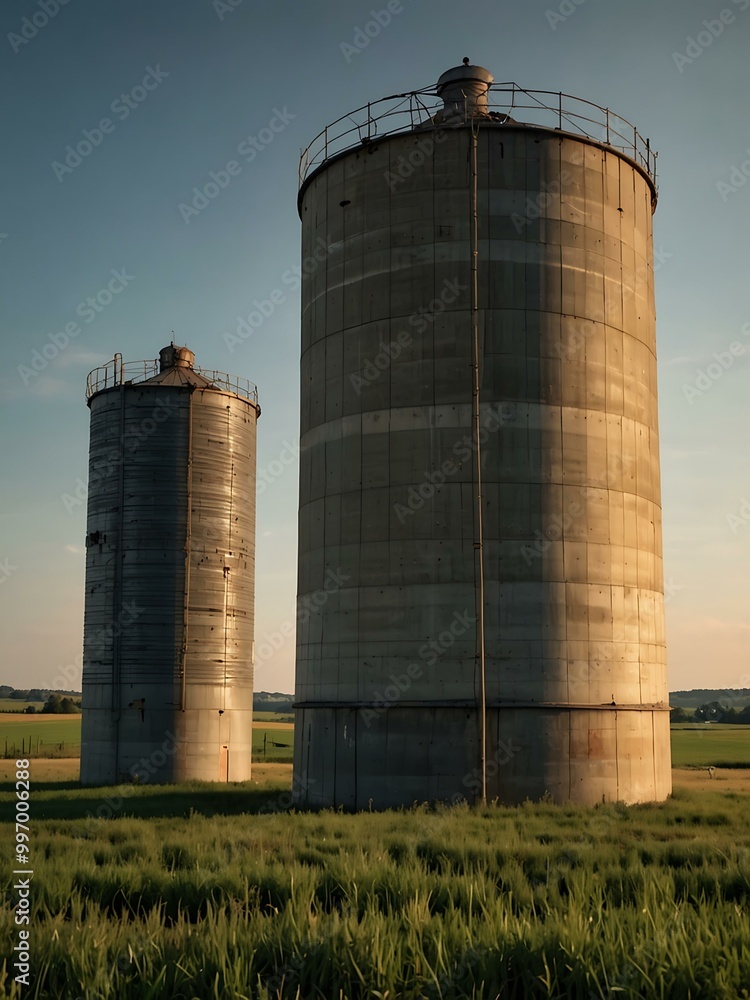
column 195, row 745
column 363, row 758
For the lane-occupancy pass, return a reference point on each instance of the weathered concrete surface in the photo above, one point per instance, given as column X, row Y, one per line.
column 387, row 682
column 169, row 702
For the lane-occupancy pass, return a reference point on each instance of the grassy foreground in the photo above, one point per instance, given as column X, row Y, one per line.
column 224, row 892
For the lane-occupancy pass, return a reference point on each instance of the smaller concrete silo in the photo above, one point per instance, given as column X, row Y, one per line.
column 170, row 571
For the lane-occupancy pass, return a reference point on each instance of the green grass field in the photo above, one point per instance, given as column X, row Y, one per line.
column 701, row 745
column 283, row 738
column 47, row 736
column 15, row 706
column 197, row 892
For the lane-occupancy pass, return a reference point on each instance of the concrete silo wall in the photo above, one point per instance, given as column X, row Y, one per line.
column 387, row 679
column 168, row 632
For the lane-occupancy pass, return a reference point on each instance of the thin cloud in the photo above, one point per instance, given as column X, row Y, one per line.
column 42, row 387
column 88, row 358
column 681, row 359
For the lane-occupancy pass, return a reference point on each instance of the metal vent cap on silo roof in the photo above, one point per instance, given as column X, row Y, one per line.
column 176, row 368
column 176, row 357
column 464, row 91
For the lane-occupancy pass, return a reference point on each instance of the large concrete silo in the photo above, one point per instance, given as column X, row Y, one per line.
column 480, row 555
column 170, row 569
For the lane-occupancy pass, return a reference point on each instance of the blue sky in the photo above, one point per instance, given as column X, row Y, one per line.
column 217, row 75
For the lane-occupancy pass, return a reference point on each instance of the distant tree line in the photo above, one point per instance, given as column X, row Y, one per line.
column 69, row 702
column 56, row 705
column 32, row 694
column 712, row 711
column 734, row 697
column 272, row 701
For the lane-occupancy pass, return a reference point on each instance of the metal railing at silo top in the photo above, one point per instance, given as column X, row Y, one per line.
column 541, row 108
column 117, row 372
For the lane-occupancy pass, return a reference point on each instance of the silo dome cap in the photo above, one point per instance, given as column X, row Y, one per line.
column 175, row 357
column 464, row 91
column 465, row 74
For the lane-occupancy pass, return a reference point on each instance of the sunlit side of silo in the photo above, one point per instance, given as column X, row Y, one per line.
column 479, row 455
column 170, row 567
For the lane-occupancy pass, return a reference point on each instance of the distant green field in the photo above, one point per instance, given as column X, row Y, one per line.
column 45, row 734
column 273, row 716
column 17, row 707
column 285, row 737
column 62, row 737
column 705, row 745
